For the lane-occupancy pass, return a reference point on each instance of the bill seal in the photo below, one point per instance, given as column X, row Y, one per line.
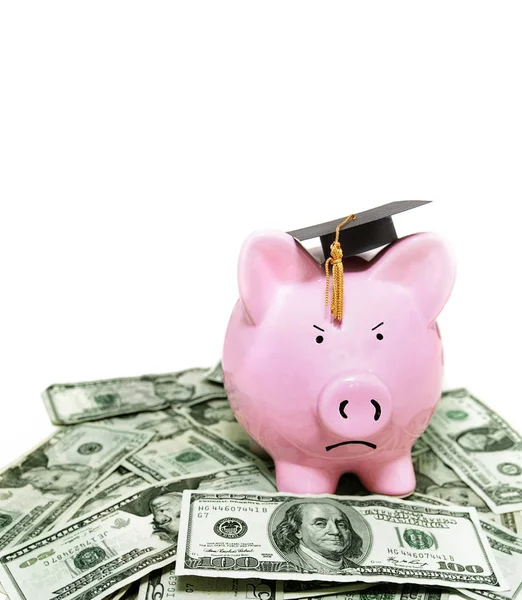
column 230, row 528
column 89, row 558
column 418, row 539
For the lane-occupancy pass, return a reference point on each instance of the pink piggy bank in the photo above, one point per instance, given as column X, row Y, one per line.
column 324, row 397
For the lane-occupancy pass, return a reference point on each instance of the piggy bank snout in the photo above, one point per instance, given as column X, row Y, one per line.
column 355, row 407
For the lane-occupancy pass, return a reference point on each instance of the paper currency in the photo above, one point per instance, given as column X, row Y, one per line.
column 190, row 587
column 120, row 593
column 330, row 538
column 164, row 585
column 292, row 589
column 242, row 477
column 437, row 480
column 180, row 446
column 160, row 584
column 119, row 484
column 509, row 559
column 511, row 520
column 38, row 488
column 100, row 553
column 68, row 404
column 419, row 447
column 217, row 416
column 389, row 591
column 480, row 447
column 123, row 483
column 215, row 374
column 188, row 387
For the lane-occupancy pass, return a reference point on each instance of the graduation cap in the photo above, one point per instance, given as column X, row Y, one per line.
column 369, row 229
column 351, row 235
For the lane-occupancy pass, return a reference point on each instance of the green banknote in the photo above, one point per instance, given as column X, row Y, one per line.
column 509, row 558
column 217, row 416
column 507, row 550
column 384, row 591
column 98, row 554
column 41, row 486
column 119, row 484
column 71, row 403
column 293, row 589
column 437, row 480
column 329, row 538
column 484, row 451
column 164, row 585
column 215, row 374
column 180, row 446
column 242, row 477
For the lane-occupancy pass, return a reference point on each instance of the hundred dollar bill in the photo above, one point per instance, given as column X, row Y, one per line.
column 217, row 416
column 485, row 523
column 215, row 374
column 180, row 446
column 437, row 480
column 98, row 554
column 39, row 487
column 71, row 403
column 328, row 538
column 480, row 447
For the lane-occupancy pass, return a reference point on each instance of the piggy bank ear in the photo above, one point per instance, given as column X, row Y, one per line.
column 422, row 263
column 269, row 260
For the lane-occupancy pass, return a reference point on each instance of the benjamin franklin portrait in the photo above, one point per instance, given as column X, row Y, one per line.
column 318, row 536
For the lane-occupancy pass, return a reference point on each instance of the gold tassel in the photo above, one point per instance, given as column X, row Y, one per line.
column 336, row 258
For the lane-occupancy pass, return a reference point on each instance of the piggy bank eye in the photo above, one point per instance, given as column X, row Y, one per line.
column 319, row 339
column 379, row 335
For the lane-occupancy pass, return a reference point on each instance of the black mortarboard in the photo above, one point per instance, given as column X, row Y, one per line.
column 369, row 230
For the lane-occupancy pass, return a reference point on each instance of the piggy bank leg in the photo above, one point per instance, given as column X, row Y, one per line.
column 393, row 477
column 299, row 479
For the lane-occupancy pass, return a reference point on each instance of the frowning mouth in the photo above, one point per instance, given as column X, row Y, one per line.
column 369, row 444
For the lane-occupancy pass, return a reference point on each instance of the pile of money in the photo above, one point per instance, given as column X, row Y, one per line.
column 147, row 490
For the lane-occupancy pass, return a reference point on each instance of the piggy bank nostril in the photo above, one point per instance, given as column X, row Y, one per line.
column 377, row 409
column 342, row 406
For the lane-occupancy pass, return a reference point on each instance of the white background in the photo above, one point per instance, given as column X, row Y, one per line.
column 140, row 143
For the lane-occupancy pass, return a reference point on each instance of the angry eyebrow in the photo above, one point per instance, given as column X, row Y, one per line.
column 318, row 328
column 381, row 323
